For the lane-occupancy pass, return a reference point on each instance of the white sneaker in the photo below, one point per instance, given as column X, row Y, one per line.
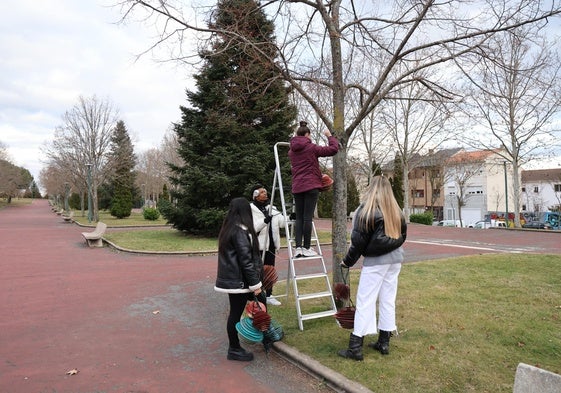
column 298, row 252
column 273, row 301
column 309, row 252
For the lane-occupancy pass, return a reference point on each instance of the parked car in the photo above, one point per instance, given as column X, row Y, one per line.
column 480, row 225
column 536, row 225
column 449, row 223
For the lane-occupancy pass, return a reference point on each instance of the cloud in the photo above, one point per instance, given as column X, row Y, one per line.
column 54, row 51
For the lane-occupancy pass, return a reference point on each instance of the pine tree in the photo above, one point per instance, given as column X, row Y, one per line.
column 238, row 112
column 123, row 161
column 397, row 180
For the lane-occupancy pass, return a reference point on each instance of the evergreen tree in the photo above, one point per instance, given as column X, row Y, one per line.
column 353, row 195
column 376, row 168
column 238, row 112
column 123, row 161
column 397, row 180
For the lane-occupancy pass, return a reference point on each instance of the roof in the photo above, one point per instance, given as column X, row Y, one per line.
column 541, row 175
column 473, row 156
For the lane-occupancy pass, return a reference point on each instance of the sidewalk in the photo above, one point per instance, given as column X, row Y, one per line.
column 127, row 323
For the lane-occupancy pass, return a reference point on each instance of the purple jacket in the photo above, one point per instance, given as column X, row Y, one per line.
column 303, row 155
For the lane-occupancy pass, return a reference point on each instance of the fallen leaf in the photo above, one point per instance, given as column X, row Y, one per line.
column 521, row 344
column 432, row 348
column 156, row 312
column 72, row 372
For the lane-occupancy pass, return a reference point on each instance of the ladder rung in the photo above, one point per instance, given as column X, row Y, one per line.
column 314, row 295
column 311, row 275
column 307, row 258
column 320, row 314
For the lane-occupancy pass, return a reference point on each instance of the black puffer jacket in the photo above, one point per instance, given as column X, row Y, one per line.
column 239, row 266
column 372, row 243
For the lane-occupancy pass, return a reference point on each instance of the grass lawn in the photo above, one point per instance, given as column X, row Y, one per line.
column 135, row 219
column 15, row 202
column 168, row 239
column 464, row 325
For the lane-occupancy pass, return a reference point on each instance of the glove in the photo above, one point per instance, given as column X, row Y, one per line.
column 268, row 219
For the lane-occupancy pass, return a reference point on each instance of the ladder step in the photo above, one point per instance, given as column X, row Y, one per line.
column 311, row 275
column 314, row 295
column 320, row 314
column 307, row 258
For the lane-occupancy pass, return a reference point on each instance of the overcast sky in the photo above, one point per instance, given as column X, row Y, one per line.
column 53, row 51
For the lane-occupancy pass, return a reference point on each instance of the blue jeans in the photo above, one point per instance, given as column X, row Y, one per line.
column 305, row 205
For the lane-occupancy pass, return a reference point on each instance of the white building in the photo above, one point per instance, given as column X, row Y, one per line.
column 475, row 184
column 541, row 190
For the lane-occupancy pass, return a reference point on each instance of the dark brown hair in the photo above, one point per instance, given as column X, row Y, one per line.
column 303, row 129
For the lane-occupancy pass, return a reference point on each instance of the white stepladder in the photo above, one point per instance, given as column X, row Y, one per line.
column 310, row 304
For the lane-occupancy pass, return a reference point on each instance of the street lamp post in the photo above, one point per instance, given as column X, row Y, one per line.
column 143, row 186
column 506, row 195
column 90, row 207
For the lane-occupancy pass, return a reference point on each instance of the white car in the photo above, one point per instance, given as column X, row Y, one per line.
column 480, row 225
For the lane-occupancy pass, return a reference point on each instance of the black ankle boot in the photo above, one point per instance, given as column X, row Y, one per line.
column 383, row 343
column 239, row 354
column 355, row 348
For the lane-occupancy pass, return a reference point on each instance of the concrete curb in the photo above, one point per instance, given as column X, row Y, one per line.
column 334, row 380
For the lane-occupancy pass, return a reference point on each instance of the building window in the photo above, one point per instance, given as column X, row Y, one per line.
column 436, row 193
column 418, row 193
column 557, row 187
column 523, row 189
column 524, row 208
column 536, row 189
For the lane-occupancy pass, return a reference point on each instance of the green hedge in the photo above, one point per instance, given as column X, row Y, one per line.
column 423, row 218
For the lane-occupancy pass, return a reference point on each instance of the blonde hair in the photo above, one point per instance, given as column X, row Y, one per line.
column 380, row 196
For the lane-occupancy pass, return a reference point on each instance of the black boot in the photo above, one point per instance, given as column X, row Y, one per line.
column 239, row 354
column 383, row 343
column 355, row 348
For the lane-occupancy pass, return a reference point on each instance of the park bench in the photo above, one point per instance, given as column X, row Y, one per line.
column 68, row 217
column 95, row 238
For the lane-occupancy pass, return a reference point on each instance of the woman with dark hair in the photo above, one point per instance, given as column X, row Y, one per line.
column 240, row 269
column 267, row 221
column 379, row 231
column 306, row 182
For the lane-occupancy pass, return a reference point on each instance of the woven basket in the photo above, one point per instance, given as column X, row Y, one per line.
column 261, row 320
column 275, row 332
column 345, row 317
column 248, row 332
column 270, row 277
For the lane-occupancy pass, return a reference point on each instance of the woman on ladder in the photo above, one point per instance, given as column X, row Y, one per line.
column 306, row 183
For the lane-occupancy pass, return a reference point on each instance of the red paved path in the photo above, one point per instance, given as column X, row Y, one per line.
column 66, row 306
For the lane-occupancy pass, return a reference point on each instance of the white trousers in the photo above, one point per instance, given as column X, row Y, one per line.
column 377, row 284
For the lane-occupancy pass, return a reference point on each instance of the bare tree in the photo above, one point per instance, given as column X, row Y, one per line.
column 153, row 166
column 81, row 145
column 335, row 37
column 517, row 94
column 417, row 124
column 4, row 155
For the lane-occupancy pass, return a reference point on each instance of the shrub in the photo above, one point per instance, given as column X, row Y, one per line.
column 151, row 213
column 422, row 218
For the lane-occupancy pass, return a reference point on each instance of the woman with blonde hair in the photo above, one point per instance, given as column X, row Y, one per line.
column 379, row 231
